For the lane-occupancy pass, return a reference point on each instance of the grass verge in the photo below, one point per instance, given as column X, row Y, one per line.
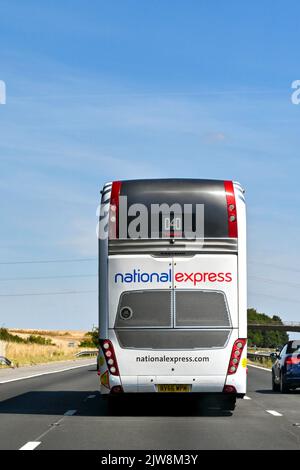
column 263, row 362
column 31, row 354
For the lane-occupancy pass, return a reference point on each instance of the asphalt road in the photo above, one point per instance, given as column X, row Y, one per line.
column 65, row 411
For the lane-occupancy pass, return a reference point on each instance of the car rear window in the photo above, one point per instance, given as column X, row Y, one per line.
column 293, row 347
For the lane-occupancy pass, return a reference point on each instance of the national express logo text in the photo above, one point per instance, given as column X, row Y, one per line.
column 137, row 276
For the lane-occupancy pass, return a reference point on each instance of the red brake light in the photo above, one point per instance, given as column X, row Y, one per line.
column 229, row 389
column 231, row 209
column 236, row 354
column 110, row 357
column 292, row 360
column 114, row 210
column 117, row 389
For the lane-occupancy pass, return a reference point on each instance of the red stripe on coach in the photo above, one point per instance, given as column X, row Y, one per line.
column 231, row 209
column 114, row 209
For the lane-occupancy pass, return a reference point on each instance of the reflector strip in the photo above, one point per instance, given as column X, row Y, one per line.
column 105, row 379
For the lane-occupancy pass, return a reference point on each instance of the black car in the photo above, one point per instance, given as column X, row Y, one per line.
column 286, row 368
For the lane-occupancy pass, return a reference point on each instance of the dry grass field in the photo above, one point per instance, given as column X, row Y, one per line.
column 65, row 345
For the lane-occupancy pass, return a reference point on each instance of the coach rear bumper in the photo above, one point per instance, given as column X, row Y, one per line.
column 151, row 384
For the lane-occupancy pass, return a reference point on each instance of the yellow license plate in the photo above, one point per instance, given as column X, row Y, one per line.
column 173, row 388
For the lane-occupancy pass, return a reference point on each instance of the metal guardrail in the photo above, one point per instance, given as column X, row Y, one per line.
column 258, row 356
column 275, row 323
column 284, row 326
column 92, row 352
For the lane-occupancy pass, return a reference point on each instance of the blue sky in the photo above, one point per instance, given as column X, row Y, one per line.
column 128, row 89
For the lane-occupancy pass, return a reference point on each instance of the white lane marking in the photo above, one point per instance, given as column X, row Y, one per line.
column 91, row 396
column 53, row 425
column 31, row 445
column 259, row 367
column 70, row 412
column 273, row 412
column 247, row 398
column 46, row 373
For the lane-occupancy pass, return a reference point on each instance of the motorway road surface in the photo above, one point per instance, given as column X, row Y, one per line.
column 65, row 411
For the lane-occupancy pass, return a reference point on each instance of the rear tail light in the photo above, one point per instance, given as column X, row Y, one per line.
column 110, row 357
column 236, row 354
column 292, row 360
column 116, row 389
column 231, row 209
column 114, row 210
column 229, row 389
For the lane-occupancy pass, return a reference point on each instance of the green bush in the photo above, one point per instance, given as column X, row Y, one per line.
column 92, row 339
column 6, row 336
column 32, row 339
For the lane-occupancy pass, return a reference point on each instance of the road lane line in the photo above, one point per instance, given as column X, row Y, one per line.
column 274, row 413
column 70, row 412
column 40, row 437
column 46, row 373
column 31, row 445
column 247, row 398
column 259, row 367
column 91, row 396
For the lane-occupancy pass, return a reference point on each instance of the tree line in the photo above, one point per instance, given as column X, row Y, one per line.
column 265, row 339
